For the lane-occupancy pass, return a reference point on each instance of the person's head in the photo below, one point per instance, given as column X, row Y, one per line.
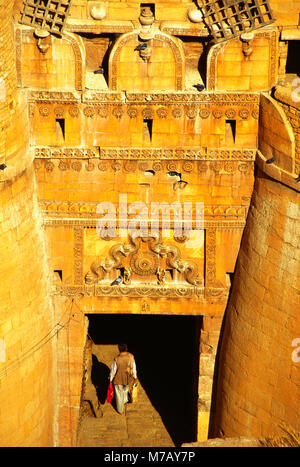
column 122, row 347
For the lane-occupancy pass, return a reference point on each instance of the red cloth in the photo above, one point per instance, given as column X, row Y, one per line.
column 110, row 393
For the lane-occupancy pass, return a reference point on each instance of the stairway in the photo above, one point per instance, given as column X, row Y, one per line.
column 139, row 426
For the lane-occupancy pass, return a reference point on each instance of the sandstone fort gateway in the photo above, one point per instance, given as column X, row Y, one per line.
column 189, row 105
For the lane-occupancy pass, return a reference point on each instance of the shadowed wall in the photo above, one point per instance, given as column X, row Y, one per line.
column 258, row 381
column 26, row 384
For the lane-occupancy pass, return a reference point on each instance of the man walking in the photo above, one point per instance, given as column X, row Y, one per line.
column 122, row 374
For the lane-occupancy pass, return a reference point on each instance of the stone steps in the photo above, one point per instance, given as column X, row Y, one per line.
column 139, row 426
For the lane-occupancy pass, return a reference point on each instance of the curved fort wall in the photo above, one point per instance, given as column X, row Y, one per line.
column 259, row 371
column 26, row 389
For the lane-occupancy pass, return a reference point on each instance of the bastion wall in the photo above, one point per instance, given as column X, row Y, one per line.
column 26, row 327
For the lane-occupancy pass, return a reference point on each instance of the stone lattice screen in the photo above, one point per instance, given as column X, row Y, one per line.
column 49, row 15
column 230, row 18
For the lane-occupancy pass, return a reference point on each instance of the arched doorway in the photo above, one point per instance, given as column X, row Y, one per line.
column 166, row 350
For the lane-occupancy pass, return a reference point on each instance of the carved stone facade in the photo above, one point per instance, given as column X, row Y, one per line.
column 104, row 136
column 131, row 108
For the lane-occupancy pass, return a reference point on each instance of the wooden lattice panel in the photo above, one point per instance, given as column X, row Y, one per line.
column 49, row 15
column 231, row 18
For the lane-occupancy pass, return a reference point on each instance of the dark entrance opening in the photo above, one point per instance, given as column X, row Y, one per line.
column 166, row 350
column 293, row 63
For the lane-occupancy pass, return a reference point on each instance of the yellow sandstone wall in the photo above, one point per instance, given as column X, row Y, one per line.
column 258, row 378
column 259, row 373
column 257, row 385
column 26, row 328
column 286, row 12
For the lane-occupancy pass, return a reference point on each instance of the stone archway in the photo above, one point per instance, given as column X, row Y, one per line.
column 166, row 350
column 163, row 70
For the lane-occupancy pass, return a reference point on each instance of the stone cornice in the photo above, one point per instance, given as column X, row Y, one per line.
column 90, row 223
column 154, row 98
column 139, row 153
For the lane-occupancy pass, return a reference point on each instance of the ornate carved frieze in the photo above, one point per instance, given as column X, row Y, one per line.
column 178, row 154
column 231, row 154
column 203, row 154
column 142, row 291
column 66, row 153
column 103, row 97
column 88, row 160
column 176, row 105
column 182, row 97
column 202, row 295
column 97, row 110
column 78, row 253
column 152, row 153
column 85, row 161
column 149, row 98
column 18, row 55
column 53, row 96
column 210, row 260
column 81, row 210
column 91, row 223
column 94, row 27
column 190, row 112
column 144, row 262
column 176, row 30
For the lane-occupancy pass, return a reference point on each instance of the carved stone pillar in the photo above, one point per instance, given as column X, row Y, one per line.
column 210, row 259
column 78, row 250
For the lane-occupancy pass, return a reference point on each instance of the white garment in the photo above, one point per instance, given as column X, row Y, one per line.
column 121, row 395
